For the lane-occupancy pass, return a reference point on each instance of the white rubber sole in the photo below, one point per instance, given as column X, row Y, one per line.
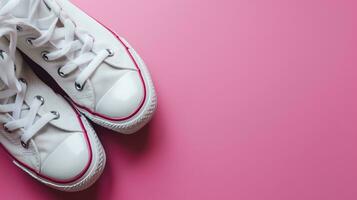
column 90, row 176
column 144, row 115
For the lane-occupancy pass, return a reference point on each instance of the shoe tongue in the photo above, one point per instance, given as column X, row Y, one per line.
column 23, row 9
column 44, row 17
column 20, row 10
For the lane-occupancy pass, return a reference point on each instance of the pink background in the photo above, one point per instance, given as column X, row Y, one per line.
column 257, row 100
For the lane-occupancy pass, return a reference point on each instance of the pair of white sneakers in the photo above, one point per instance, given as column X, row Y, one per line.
column 101, row 76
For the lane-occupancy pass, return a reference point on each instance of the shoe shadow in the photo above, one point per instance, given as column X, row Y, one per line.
column 136, row 144
column 89, row 194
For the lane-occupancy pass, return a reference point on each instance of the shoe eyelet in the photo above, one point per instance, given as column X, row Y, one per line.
column 23, row 81
column 56, row 114
column 111, row 52
column 29, row 41
column 60, row 73
column 44, row 55
column 24, row 144
column 2, row 54
column 7, row 130
column 19, row 28
column 41, row 99
column 78, row 86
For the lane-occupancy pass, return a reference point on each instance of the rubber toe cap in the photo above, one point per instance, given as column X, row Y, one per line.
column 124, row 98
column 68, row 160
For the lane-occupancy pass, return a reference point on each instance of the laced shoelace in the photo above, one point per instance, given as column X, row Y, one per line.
column 16, row 89
column 75, row 44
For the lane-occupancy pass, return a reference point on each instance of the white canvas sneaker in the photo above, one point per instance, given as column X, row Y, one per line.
column 44, row 135
column 100, row 72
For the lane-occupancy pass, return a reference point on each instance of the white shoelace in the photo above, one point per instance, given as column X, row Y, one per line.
column 16, row 89
column 76, row 44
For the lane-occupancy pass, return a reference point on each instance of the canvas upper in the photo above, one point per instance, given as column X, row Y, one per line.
column 114, row 90
column 60, row 150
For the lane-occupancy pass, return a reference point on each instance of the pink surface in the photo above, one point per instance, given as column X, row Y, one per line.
column 257, row 100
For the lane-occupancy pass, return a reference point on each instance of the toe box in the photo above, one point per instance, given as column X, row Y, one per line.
column 124, row 97
column 68, row 160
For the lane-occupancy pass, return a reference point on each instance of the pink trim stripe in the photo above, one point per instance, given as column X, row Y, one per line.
column 55, row 180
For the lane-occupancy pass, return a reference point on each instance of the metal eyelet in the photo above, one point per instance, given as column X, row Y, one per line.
column 7, row 130
column 2, row 54
column 78, row 86
column 44, row 55
column 29, row 41
column 60, row 73
column 23, row 80
column 111, row 52
column 19, row 28
column 41, row 99
column 24, row 145
column 55, row 113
